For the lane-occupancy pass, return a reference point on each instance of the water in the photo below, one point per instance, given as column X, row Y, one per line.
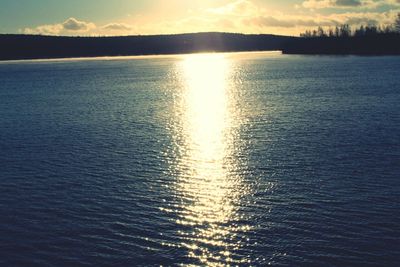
column 223, row 159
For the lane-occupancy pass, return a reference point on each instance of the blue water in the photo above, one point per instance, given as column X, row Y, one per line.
column 224, row 159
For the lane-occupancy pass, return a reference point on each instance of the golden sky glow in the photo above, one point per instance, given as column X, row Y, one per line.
column 125, row 17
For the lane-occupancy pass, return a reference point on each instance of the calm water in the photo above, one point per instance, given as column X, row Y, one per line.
column 224, row 159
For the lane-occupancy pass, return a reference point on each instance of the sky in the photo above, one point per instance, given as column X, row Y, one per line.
column 132, row 17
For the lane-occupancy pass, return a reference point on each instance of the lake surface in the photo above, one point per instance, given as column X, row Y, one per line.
column 222, row 159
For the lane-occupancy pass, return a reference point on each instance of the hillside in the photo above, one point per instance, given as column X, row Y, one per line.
column 41, row 47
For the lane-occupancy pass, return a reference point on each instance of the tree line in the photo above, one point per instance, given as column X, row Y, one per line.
column 35, row 46
column 346, row 30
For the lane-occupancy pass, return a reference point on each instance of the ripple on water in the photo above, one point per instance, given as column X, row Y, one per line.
column 240, row 159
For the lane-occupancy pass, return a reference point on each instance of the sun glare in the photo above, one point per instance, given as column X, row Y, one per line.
column 207, row 184
column 206, row 102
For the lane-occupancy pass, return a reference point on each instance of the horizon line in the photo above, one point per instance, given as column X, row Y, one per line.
column 149, row 35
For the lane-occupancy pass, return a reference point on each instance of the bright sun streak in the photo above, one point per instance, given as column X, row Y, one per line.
column 207, row 185
column 206, row 102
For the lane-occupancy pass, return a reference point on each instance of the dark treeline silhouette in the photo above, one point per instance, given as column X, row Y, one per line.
column 365, row 40
column 43, row 47
column 346, row 31
column 397, row 23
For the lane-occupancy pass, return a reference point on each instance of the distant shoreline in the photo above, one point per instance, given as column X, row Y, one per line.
column 28, row 47
column 376, row 45
column 37, row 47
column 161, row 56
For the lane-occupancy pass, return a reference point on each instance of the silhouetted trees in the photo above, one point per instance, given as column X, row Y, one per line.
column 346, row 31
column 342, row 39
column 397, row 23
column 360, row 31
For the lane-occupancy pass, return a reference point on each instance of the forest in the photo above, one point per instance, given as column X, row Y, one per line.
column 14, row 47
column 343, row 39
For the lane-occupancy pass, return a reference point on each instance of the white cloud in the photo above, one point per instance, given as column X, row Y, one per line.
column 73, row 24
column 348, row 4
column 70, row 26
column 117, row 27
column 237, row 8
column 256, row 19
column 395, row 3
column 289, row 21
column 44, row 29
column 356, row 19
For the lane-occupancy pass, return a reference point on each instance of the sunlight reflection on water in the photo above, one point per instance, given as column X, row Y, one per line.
column 208, row 186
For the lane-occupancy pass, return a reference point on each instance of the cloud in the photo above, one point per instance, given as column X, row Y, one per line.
column 70, row 26
column 346, row 4
column 237, row 8
column 289, row 21
column 357, row 19
column 44, row 29
column 260, row 19
column 73, row 24
column 318, row 4
column 269, row 21
column 246, row 16
column 117, row 27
